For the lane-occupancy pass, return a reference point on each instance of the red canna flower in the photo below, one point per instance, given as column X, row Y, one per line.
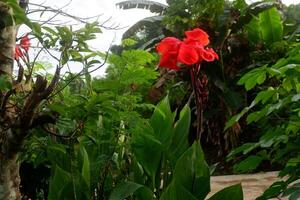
column 197, row 35
column 209, row 55
column 168, row 48
column 189, row 51
column 188, row 54
column 25, row 43
column 22, row 49
column 18, row 52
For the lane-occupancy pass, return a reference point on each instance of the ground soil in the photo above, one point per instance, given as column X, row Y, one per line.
column 253, row 184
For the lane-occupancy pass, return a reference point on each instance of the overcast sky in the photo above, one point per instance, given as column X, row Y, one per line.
column 108, row 10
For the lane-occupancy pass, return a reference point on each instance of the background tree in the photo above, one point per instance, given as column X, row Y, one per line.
column 25, row 94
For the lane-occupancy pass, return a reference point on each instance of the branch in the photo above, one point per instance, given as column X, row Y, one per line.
column 80, row 74
column 59, row 11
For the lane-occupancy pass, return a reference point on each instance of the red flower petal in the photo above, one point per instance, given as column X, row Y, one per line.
column 25, row 43
column 168, row 44
column 198, row 35
column 18, row 52
column 188, row 54
column 209, row 55
column 214, row 53
column 169, row 60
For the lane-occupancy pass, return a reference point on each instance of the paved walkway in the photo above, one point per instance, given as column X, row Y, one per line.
column 253, row 184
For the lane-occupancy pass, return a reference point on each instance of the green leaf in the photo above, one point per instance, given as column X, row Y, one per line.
column 176, row 191
column 249, row 164
column 85, row 172
column 253, row 30
column 265, row 95
column 254, row 77
column 254, row 117
column 271, row 26
column 244, row 149
column 293, row 192
column 57, row 183
column 76, row 188
column 196, row 177
column 180, row 139
column 124, row 190
column 57, row 155
column 234, row 192
column 273, row 191
column 296, row 97
column 147, row 149
column 235, row 118
column 162, row 123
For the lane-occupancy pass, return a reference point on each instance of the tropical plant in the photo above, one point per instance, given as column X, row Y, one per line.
column 273, row 110
column 148, row 31
column 164, row 174
column 25, row 94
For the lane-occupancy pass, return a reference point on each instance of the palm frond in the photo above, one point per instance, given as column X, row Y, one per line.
column 140, row 25
column 153, row 6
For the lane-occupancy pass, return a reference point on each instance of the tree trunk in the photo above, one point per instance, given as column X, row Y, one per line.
column 16, row 120
column 9, row 165
column 9, row 179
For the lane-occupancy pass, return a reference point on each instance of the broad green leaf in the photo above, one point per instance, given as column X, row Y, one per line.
column 144, row 193
column 271, row 26
column 181, row 131
column 85, row 172
column 254, row 117
column 196, row 177
column 76, row 188
column 293, row 192
column 233, row 192
column 273, row 191
column 265, row 95
column 249, row 164
column 147, row 149
column 57, row 183
column 244, row 149
column 254, row 77
column 124, row 190
column 253, row 30
column 57, row 155
column 176, row 191
column 162, row 123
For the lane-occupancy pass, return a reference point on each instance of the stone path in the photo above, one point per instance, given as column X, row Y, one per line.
column 253, row 184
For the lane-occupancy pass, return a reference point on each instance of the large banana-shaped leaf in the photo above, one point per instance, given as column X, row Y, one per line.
column 267, row 27
column 140, row 25
column 153, row 6
column 271, row 26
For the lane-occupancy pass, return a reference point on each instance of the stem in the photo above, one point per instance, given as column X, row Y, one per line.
column 197, row 90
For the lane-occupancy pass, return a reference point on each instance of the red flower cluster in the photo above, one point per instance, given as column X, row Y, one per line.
column 189, row 51
column 22, row 48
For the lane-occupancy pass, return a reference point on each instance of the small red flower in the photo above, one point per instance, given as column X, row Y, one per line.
column 168, row 44
column 18, row 52
column 188, row 54
column 197, row 35
column 209, row 55
column 189, row 51
column 22, row 49
column 25, row 43
column 168, row 48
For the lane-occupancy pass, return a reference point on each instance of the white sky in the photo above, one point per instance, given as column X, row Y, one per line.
column 123, row 18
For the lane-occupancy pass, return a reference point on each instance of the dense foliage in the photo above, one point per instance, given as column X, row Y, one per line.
column 140, row 132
